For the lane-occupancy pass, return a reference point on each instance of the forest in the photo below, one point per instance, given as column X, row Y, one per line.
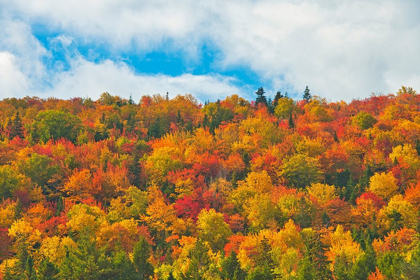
column 169, row 188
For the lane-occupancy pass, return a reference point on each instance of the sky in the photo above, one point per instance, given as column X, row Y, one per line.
column 340, row 49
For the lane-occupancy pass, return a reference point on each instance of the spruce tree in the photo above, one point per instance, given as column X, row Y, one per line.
column 15, row 127
column 261, row 99
column 141, row 254
column 277, row 98
column 307, row 94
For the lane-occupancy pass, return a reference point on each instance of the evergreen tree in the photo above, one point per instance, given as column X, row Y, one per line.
column 316, row 262
column 131, row 101
column 15, row 127
column 123, row 268
column 307, row 94
column 277, row 98
column 85, row 262
column 46, row 270
column 261, row 99
column 291, row 122
column 141, row 254
column 206, row 122
column 231, row 268
column 60, row 206
column 270, row 106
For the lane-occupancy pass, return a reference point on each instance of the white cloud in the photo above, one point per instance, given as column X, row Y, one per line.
column 89, row 79
column 12, row 80
column 341, row 49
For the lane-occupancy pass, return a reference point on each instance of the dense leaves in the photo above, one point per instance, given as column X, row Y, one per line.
column 171, row 189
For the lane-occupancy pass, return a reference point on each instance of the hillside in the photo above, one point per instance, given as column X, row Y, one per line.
column 235, row 189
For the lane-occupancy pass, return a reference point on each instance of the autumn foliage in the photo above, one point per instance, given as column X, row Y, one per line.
column 173, row 189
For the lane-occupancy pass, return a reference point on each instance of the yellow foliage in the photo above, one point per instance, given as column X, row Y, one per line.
column 8, row 264
column 159, row 214
column 212, row 228
column 7, row 214
column 397, row 204
column 37, row 214
column 342, row 245
column 383, row 184
column 82, row 217
column 322, row 192
column 311, row 147
column 79, row 184
column 54, row 248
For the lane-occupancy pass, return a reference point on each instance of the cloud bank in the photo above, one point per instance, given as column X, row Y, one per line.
column 341, row 49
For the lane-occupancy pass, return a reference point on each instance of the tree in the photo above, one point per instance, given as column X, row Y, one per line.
column 15, row 127
column 364, row 120
column 54, row 124
column 307, row 95
column 10, row 180
column 261, row 99
column 86, row 261
column 141, row 255
column 383, row 184
column 285, row 108
column 213, row 229
column 300, row 171
column 277, row 98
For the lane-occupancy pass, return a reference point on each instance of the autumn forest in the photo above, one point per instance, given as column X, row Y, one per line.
column 169, row 188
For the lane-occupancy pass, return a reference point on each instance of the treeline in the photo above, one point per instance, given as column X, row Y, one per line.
column 167, row 188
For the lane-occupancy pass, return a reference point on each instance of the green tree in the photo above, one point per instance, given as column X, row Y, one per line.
column 87, row 261
column 307, row 94
column 141, row 255
column 213, row 229
column 54, row 124
column 285, row 108
column 277, row 98
column 15, row 127
column 10, row 180
column 261, row 99
column 300, row 170
column 39, row 168
column 231, row 269
column 364, row 120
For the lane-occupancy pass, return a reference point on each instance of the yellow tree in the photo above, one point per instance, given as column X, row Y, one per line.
column 343, row 250
column 383, row 185
column 160, row 215
column 213, row 229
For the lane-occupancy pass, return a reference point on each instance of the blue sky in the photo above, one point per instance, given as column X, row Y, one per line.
column 341, row 49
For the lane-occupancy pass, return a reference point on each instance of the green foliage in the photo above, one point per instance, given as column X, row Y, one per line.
column 39, row 168
column 285, row 108
column 301, row 171
column 231, row 268
column 390, row 264
column 364, row 120
column 10, row 180
column 15, row 127
column 86, row 261
column 141, row 255
column 261, row 99
column 307, row 94
column 54, row 124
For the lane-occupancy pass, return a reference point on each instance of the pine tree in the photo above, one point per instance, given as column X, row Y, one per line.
column 15, row 127
column 130, row 100
column 277, row 98
column 60, row 206
column 291, row 122
column 141, row 254
column 307, row 95
column 231, row 269
column 261, row 99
